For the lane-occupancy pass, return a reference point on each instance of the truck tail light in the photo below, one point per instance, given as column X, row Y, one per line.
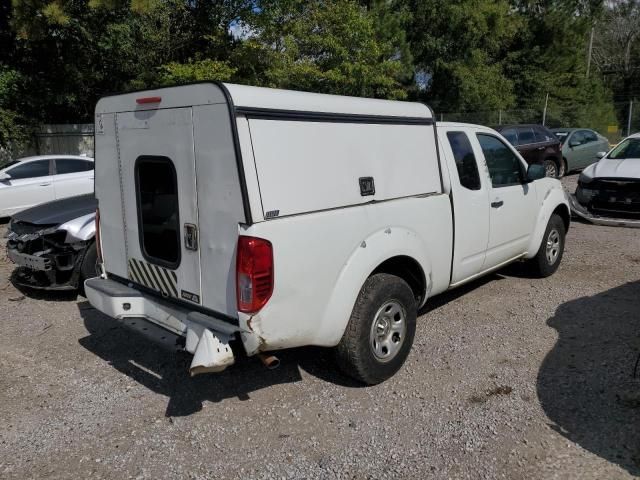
column 98, row 245
column 254, row 273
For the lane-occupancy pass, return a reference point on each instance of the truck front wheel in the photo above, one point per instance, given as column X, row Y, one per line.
column 380, row 332
column 549, row 255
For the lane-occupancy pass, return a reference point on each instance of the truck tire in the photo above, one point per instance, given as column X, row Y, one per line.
column 549, row 255
column 380, row 332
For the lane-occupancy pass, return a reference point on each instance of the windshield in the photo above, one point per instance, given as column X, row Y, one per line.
column 629, row 148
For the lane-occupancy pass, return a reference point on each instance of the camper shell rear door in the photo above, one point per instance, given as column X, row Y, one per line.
column 168, row 188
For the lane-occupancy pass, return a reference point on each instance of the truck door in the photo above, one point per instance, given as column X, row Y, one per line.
column 513, row 208
column 160, row 211
column 470, row 197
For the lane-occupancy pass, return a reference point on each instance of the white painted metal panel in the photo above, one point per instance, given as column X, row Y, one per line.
column 170, row 97
column 471, row 207
column 107, row 173
column 276, row 99
column 220, row 206
column 160, row 133
column 311, row 166
column 322, row 260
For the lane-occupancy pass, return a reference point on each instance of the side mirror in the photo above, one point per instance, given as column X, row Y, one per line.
column 4, row 177
column 600, row 155
column 573, row 143
column 535, row 172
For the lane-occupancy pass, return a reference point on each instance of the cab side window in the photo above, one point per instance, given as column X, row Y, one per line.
column 465, row 160
column 526, row 136
column 504, row 166
column 589, row 136
column 39, row 168
column 511, row 135
column 578, row 138
column 69, row 165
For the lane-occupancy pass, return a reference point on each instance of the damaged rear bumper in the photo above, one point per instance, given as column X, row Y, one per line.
column 581, row 211
column 205, row 336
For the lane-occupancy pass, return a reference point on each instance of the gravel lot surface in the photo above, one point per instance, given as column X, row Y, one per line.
column 509, row 377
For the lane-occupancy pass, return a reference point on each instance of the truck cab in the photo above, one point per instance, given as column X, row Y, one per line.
column 283, row 219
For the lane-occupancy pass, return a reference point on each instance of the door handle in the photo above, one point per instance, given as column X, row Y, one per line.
column 45, row 184
column 497, row 204
column 541, row 148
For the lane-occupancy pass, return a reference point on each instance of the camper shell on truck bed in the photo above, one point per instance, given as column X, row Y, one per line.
column 280, row 218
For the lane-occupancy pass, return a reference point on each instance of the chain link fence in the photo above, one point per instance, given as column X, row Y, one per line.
column 615, row 123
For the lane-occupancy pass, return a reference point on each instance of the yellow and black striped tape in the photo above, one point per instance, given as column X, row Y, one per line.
column 153, row 276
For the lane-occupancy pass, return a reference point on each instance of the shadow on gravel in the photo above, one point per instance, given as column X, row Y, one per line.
column 586, row 385
column 452, row 295
column 165, row 371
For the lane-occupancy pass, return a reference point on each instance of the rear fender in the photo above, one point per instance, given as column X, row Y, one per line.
column 554, row 197
column 365, row 258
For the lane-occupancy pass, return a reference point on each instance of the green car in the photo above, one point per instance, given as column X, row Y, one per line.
column 580, row 147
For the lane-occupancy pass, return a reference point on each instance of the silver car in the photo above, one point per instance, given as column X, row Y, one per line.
column 53, row 244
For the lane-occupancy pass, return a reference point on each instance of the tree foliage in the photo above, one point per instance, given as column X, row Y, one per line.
column 59, row 56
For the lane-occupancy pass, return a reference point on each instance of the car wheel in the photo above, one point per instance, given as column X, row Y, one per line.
column 549, row 255
column 551, row 168
column 380, row 332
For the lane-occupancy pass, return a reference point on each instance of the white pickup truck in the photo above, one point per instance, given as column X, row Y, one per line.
column 282, row 219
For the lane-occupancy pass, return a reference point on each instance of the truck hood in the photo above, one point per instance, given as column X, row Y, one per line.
column 608, row 168
column 58, row 211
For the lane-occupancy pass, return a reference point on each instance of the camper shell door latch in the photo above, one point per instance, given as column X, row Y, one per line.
column 190, row 236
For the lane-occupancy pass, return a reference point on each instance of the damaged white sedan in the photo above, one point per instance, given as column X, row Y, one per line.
column 53, row 244
column 608, row 191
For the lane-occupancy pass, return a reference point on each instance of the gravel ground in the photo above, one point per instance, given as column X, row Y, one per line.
column 509, row 378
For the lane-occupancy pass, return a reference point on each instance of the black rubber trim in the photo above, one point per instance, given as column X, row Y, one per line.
column 435, row 136
column 329, row 117
column 175, row 301
column 236, row 146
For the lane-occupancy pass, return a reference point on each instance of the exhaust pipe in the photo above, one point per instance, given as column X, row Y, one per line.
column 270, row 361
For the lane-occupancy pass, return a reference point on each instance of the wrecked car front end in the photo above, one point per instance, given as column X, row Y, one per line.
column 608, row 192
column 50, row 248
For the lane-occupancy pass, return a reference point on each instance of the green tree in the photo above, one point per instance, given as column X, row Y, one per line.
column 549, row 56
column 334, row 46
column 460, row 48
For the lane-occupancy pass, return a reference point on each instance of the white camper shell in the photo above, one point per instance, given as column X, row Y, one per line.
column 271, row 216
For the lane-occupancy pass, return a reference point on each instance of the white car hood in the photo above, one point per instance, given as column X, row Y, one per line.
column 608, row 168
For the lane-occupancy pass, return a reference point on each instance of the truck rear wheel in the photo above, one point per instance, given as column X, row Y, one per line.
column 549, row 255
column 380, row 332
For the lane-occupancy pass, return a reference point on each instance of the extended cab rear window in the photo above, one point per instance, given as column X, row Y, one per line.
column 465, row 160
column 157, row 195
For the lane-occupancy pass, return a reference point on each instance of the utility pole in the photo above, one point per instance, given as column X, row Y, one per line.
column 629, row 119
column 500, row 117
column 590, row 50
column 544, row 112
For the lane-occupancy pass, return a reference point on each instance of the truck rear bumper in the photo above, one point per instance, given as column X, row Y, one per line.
column 580, row 211
column 206, row 337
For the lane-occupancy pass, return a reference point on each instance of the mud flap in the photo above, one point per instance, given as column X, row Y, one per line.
column 212, row 354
